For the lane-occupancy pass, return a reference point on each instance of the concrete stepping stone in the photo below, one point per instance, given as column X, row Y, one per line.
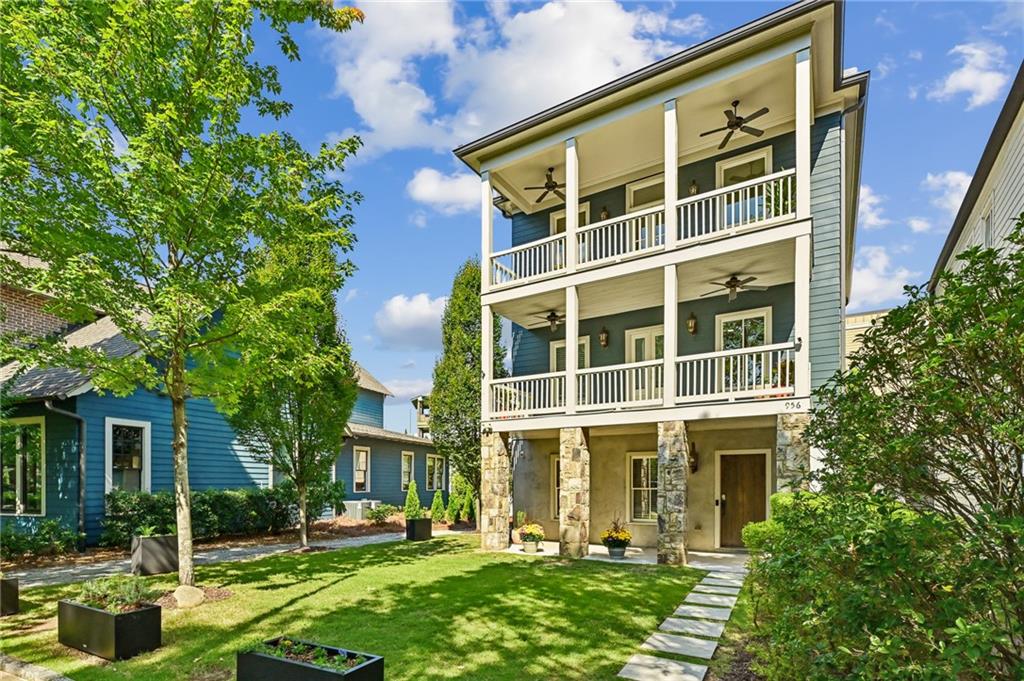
column 650, row 668
column 727, row 590
column 718, row 574
column 695, row 627
column 703, row 612
column 681, row 645
column 711, row 599
column 699, row 565
column 722, row 582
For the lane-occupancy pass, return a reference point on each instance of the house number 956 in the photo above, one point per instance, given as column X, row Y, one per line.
column 794, row 405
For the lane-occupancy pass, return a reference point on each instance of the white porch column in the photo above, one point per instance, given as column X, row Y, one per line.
column 486, row 361
column 572, row 206
column 804, row 120
column 572, row 342
column 802, row 310
column 486, row 231
column 671, row 172
column 670, row 329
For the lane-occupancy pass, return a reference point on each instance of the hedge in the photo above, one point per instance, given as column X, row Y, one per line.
column 50, row 537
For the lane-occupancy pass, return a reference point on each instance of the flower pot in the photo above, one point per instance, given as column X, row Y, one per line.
column 257, row 666
column 155, row 555
column 531, row 547
column 618, row 552
column 418, row 529
column 516, row 539
column 110, row 635
column 9, row 596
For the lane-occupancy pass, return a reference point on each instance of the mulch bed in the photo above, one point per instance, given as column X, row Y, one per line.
column 213, row 594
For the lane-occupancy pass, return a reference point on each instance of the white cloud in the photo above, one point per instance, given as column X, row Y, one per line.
column 850, row 71
column 404, row 389
column 351, row 294
column 419, row 219
column 949, row 188
column 410, row 323
column 915, row 55
column 1008, row 20
column 409, row 364
column 913, row 91
column 876, row 281
column 885, row 66
column 886, row 23
column 981, row 74
column 919, row 225
column 449, row 194
column 869, row 209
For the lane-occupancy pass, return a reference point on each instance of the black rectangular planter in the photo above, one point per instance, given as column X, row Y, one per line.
column 155, row 555
column 419, row 529
column 256, row 666
column 9, row 596
column 112, row 636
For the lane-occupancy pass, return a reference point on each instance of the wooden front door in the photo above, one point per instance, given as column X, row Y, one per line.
column 742, row 495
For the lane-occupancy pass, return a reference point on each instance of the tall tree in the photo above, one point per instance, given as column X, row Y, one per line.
column 127, row 170
column 455, row 399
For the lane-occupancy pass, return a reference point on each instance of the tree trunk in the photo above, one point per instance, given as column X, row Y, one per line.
column 303, row 538
column 183, row 506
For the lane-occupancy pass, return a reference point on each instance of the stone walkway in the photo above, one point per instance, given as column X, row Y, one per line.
column 692, row 630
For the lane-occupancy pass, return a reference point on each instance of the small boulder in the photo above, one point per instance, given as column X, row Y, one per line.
column 189, row 596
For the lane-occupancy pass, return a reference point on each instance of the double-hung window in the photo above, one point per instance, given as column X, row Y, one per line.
column 23, row 466
column 435, row 472
column 127, row 445
column 360, row 469
column 643, row 487
column 408, row 459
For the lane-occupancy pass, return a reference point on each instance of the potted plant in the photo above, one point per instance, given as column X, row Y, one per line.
column 112, row 618
column 8, row 596
column 288, row 659
column 531, row 535
column 417, row 525
column 616, row 538
column 152, row 553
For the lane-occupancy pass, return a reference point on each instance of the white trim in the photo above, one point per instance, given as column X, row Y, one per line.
column 764, row 152
column 555, row 486
column 270, row 475
column 29, row 420
column 401, row 471
column 553, row 219
column 749, row 313
column 630, row 456
column 439, row 461
column 719, row 453
column 649, row 333
column 369, row 461
column 652, row 181
column 108, row 451
column 555, row 344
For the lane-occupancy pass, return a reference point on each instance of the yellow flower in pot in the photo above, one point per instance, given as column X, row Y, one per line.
column 531, row 535
column 616, row 538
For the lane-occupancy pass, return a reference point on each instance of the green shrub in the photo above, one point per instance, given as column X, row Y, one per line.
column 115, row 594
column 437, row 507
column 413, row 510
column 380, row 514
column 50, row 537
column 468, row 507
column 454, row 508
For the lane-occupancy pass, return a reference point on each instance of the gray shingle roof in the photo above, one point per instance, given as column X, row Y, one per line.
column 368, row 382
column 359, row 430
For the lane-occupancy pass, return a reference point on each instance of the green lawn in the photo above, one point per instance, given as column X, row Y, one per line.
column 438, row 609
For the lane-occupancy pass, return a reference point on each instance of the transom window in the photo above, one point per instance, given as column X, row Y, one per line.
column 127, row 454
column 645, row 193
column 435, row 472
column 360, row 469
column 22, row 466
column 643, row 487
column 408, row 459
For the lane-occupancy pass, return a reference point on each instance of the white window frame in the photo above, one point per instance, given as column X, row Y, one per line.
column 764, row 152
column 719, row 453
column 555, row 344
column 108, row 446
column 438, row 462
column 584, row 207
column 29, row 420
column 555, row 486
column 766, row 312
column 402, row 482
column 643, row 184
column 649, row 333
column 630, row 457
column 985, row 224
column 369, row 463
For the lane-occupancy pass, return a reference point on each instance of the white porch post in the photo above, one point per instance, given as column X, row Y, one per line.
column 671, row 174
column 486, row 361
column 804, row 120
column 802, row 309
column 572, row 207
column 572, row 342
column 486, row 231
column 670, row 330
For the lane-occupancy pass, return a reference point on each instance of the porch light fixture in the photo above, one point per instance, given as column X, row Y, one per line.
column 694, row 189
column 694, row 459
column 604, row 213
column 691, row 325
column 602, row 337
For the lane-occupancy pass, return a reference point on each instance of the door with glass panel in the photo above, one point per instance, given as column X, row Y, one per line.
column 737, row 331
column 22, row 466
column 742, row 207
column 643, row 487
column 644, row 345
column 557, row 363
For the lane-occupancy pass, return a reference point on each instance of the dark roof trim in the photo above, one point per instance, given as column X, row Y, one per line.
column 668, row 63
column 1011, row 108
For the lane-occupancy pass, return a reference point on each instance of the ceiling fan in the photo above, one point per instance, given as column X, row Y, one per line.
column 553, row 319
column 734, row 285
column 549, row 187
column 736, row 122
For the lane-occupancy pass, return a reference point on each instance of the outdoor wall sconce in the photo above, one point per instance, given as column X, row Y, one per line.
column 602, row 337
column 694, row 459
column 604, row 213
column 694, row 189
column 691, row 325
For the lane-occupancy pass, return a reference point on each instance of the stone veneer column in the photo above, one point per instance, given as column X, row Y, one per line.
column 494, row 492
column 792, row 452
column 673, row 478
column 574, row 493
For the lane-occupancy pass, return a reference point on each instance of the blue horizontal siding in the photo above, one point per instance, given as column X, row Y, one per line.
column 386, row 471
column 369, row 409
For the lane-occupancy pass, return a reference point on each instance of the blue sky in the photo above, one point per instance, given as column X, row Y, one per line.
column 417, row 79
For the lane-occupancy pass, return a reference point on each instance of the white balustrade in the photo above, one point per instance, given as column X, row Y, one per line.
column 765, row 371
column 524, row 396
column 755, row 202
column 533, row 260
column 621, row 237
column 620, row 386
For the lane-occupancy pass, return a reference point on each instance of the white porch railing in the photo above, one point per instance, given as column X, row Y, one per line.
column 759, row 201
column 532, row 260
column 620, row 386
column 523, row 396
column 766, row 371
column 621, row 237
